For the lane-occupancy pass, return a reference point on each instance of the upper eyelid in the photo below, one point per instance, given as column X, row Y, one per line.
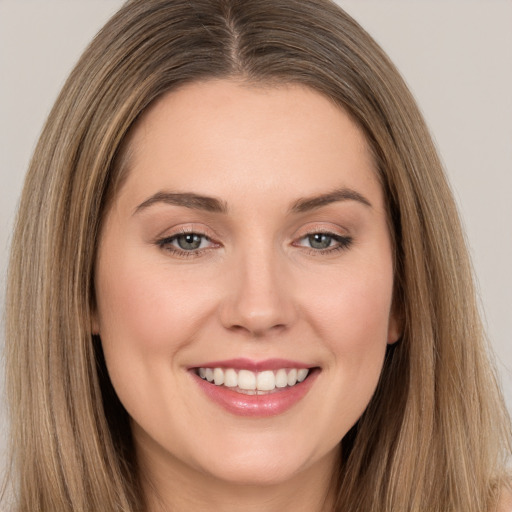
column 319, row 228
column 176, row 231
column 322, row 231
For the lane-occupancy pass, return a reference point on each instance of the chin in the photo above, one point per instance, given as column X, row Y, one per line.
column 266, row 465
column 250, row 472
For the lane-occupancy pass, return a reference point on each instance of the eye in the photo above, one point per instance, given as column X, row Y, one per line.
column 183, row 243
column 190, row 241
column 320, row 241
column 325, row 242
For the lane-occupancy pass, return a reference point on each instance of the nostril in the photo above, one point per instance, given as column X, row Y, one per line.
column 257, row 331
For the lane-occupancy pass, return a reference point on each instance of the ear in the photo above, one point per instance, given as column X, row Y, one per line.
column 395, row 326
column 95, row 323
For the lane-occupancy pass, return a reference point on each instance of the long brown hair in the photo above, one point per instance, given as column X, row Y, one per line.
column 436, row 433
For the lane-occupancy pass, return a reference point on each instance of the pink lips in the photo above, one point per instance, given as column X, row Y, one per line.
column 264, row 405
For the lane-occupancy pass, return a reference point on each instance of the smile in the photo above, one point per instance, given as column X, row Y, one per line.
column 254, row 383
column 255, row 389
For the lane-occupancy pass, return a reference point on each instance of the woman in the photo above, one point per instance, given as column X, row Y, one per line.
column 237, row 279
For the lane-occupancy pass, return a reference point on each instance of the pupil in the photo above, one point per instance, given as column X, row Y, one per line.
column 189, row 242
column 320, row 241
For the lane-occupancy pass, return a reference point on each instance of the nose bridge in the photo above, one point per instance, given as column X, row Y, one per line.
column 259, row 298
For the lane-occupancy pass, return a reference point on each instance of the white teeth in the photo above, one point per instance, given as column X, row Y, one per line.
column 292, row 377
column 246, row 379
column 281, row 378
column 218, row 376
column 253, row 382
column 265, row 381
column 230, row 378
column 302, row 374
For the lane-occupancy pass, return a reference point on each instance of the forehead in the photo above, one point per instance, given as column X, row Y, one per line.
column 211, row 133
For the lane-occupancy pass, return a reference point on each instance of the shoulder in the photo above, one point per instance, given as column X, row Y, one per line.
column 505, row 503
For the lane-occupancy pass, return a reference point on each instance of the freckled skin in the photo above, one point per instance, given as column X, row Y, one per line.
column 256, row 289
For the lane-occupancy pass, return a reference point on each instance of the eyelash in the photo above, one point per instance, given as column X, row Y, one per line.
column 166, row 244
column 342, row 243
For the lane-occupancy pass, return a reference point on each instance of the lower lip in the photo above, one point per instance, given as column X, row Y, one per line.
column 266, row 405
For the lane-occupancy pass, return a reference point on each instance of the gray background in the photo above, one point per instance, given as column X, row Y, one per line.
column 456, row 56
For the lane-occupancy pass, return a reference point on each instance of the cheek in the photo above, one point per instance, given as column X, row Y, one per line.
column 146, row 316
column 143, row 306
column 353, row 320
column 353, row 309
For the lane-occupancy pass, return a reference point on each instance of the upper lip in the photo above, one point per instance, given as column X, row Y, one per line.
column 255, row 366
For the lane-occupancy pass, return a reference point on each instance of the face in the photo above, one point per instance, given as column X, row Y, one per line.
column 244, row 282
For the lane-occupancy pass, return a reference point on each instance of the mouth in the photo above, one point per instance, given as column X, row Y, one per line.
column 253, row 383
column 247, row 388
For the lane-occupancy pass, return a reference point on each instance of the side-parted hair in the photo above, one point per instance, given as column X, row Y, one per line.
column 436, row 434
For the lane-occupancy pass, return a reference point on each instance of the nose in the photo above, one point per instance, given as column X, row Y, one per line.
column 260, row 295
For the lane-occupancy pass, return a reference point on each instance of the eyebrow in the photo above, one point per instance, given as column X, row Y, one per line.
column 185, row 199
column 307, row 204
column 214, row 205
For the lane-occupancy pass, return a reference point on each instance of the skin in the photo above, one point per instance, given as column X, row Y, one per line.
column 256, row 289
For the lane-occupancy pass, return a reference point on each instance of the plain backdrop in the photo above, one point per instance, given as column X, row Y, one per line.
column 456, row 55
